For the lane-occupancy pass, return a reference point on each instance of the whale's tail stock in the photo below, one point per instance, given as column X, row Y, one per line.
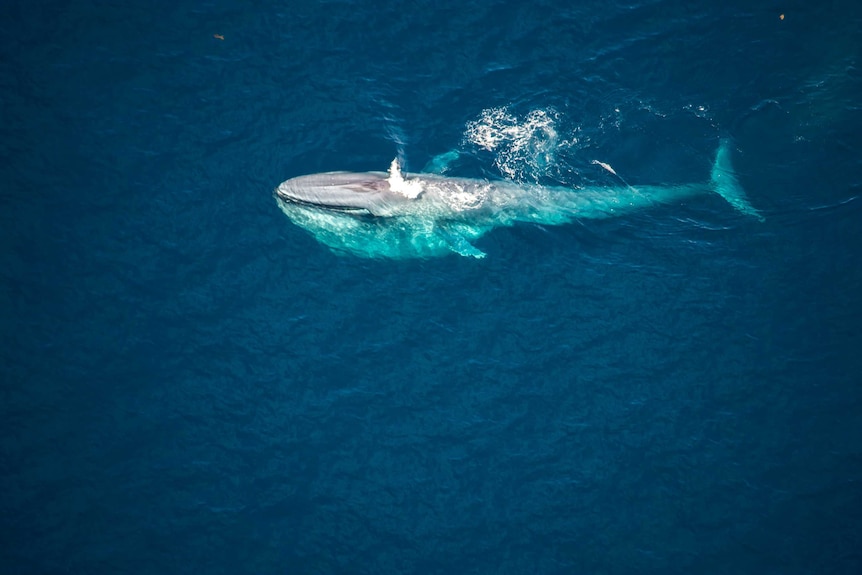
column 725, row 183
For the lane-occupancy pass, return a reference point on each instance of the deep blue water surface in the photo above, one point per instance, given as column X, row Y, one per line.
column 193, row 384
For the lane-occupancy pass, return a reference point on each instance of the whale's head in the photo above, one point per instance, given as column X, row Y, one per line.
column 366, row 193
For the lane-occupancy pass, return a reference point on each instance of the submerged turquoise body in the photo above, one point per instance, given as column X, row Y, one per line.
column 451, row 213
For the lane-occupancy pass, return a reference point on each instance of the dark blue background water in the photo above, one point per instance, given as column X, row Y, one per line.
column 192, row 384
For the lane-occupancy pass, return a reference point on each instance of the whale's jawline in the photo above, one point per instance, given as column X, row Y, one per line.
column 356, row 212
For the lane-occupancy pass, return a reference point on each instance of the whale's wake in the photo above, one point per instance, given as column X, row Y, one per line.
column 524, row 148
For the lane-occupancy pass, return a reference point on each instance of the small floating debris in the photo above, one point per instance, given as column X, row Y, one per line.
column 605, row 166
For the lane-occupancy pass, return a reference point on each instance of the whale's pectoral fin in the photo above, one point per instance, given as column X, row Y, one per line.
column 459, row 244
column 440, row 164
column 726, row 184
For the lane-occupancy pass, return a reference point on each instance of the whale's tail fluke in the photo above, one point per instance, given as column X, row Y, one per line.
column 726, row 184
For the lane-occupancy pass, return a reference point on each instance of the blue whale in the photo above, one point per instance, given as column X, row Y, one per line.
column 397, row 215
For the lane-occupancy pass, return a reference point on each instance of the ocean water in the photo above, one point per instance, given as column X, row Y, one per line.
column 193, row 384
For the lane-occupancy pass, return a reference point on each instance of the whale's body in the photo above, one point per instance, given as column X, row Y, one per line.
column 378, row 214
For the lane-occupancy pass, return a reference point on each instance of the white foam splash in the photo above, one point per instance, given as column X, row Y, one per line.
column 523, row 148
column 462, row 200
column 408, row 188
